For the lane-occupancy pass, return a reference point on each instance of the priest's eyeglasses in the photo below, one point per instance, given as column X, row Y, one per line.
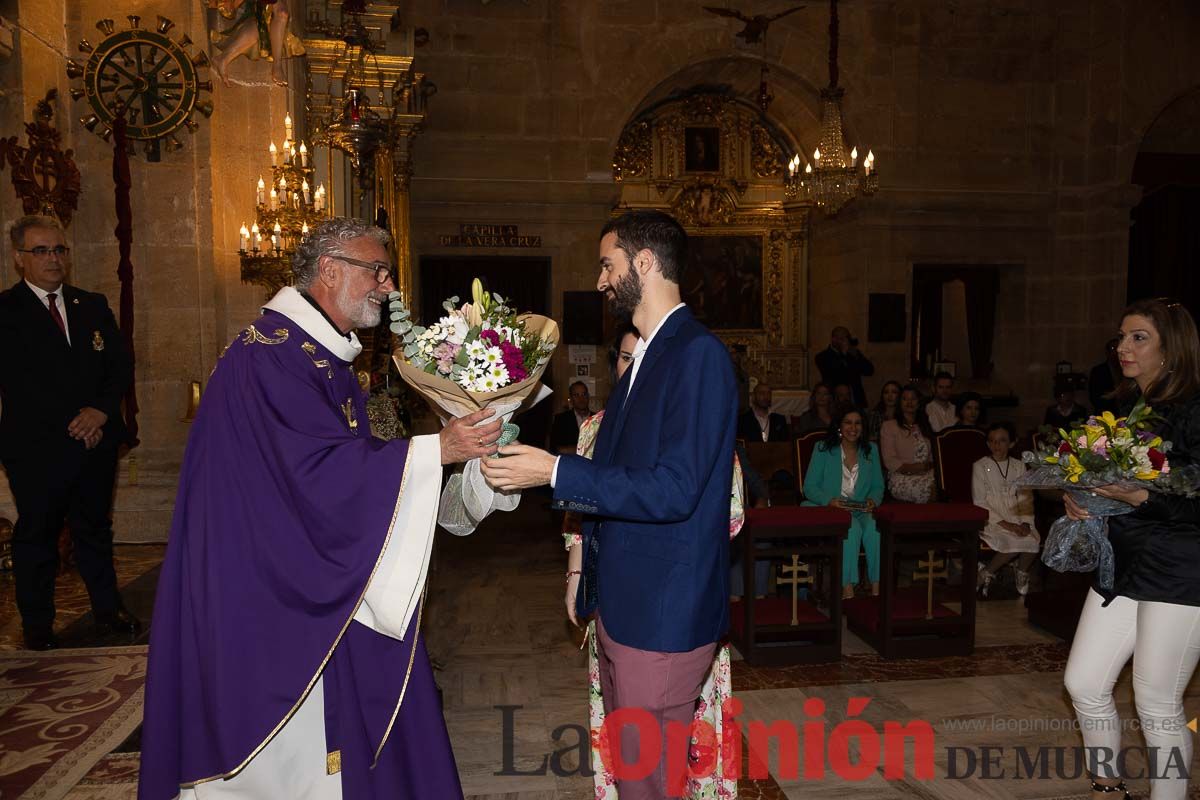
column 45, row 252
column 382, row 271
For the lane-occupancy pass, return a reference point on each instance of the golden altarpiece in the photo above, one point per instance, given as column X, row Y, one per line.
column 716, row 163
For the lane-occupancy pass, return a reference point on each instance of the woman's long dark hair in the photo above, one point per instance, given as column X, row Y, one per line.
column 614, row 348
column 922, row 418
column 1180, row 380
column 833, row 436
column 880, row 408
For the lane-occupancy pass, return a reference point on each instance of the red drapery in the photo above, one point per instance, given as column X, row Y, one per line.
column 124, row 233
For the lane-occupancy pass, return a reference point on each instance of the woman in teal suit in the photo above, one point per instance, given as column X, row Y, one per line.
column 845, row 472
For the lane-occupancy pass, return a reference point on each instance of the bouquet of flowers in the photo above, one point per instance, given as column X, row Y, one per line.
column 482, row 354
column 1105, row 450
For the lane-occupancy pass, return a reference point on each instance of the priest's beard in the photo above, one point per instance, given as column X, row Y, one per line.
column 626, row 294
column 361, row 312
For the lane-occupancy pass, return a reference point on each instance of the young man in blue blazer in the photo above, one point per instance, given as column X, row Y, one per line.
column 655, row 495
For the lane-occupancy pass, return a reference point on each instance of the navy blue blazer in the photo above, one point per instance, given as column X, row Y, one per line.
column 655, row 495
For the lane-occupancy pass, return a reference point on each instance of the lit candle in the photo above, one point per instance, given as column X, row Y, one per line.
column 304, row 229
column 287, row 151
column 274, row 199
column 854, row 156
column 244, row 241
column 808, row 169
column 287, row 126
column 304, row 189
column 319, row 198
column 277, row 236
column 303, row 155
column 283, row 187
column 817, row 154
column 869, row 162
column 274, row 155
column 260, row 195
column 255, row 236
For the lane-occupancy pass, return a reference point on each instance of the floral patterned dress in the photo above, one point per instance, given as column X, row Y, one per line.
column 717, row 687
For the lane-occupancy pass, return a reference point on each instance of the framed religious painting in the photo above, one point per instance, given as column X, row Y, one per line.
column 723, row 281
column 702, row 149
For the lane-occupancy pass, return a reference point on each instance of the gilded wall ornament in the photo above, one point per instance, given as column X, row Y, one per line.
column 766, row 159
column 43, row 174
column 145, row 76
column 634, row 152
column 704, row 203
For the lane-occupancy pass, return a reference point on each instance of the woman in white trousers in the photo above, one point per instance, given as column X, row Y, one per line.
column 1152, row 611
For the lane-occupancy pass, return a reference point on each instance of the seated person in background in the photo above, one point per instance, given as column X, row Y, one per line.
column 845, row 467
column 819, row 414
column 843, row 362
column 758, row 424
column 843, row 396
column 1065, row 410
column 906, row 444
column 887, row 408
column 1009, row 530
column 969, row 408
column 564, row 435
column 941, row 411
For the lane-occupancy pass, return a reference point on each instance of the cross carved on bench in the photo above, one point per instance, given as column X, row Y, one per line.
column 797, row 575
column 929, row 575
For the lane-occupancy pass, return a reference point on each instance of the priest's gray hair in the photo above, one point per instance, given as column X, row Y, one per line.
column 327, row 239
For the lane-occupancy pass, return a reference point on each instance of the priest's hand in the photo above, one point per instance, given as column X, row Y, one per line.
column 522, row 467
column 86, row 425
column 461, row 441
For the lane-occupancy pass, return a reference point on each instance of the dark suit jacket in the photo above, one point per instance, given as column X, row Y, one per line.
column 847, row 368
column 565, row 431
column 749, row 429
column 655, row 494
column 44, row 382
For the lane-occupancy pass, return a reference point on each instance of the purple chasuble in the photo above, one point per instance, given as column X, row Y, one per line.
column 284, row 507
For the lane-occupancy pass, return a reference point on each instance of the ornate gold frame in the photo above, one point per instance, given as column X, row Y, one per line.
column 743, row 197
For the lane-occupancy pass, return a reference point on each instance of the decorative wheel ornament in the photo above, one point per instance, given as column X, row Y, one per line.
column 146, row 76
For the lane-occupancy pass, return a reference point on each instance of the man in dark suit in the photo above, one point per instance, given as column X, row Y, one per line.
column 655, row 496
column 564, row 434
column 65, row 370
column 758, row 424
column 843, row 362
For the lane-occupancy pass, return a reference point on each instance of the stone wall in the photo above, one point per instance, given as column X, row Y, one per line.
column 1005, row 132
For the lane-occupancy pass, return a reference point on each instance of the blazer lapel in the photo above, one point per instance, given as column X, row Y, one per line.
column 39, row 317
column 80, row 335
column 604, row 437
column 650, row 357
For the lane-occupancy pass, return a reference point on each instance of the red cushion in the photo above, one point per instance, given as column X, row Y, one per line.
column 916, row 513
column 797, row 517
column 909, row 606
column 774, row 611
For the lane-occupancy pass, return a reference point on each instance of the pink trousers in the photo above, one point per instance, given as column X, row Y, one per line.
column 666, row 685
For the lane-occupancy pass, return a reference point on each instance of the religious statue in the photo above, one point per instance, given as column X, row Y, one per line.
column 259, row 29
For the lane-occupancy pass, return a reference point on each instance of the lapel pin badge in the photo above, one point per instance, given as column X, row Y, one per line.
column 75, row 302
column 97, row 341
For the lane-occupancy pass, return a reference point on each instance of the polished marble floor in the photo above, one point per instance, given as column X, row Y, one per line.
column 514, row 684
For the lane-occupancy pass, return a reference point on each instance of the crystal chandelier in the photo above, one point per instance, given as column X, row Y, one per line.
column 833, row 178
column 284, row 212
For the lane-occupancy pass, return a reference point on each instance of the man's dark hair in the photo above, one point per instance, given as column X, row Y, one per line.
column 571, row 388
column 655, row 231
column 1005, row 426
column 943, row 376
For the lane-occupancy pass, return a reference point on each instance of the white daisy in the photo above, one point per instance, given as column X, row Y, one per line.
column 493, row 356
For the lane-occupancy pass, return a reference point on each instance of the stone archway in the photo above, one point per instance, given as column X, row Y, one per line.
column 1164, row 241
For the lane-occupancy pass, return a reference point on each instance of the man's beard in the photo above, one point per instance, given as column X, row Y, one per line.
column 626, row 294
column 361, row 312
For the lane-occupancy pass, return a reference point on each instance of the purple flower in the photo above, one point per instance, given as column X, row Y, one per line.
column 491, row 337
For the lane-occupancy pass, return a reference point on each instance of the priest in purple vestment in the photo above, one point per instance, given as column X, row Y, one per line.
column 286, row 659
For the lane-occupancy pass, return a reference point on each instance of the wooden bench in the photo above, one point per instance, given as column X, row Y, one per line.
column 915, row 622
column 790, row 629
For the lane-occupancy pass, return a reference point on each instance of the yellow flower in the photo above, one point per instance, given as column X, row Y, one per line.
column 1109, row 419
column 1148, row 475
column 1074, row 469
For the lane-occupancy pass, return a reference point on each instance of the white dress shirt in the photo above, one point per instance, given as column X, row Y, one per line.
column 43, row 295
column 941, row 416
column 638, row 351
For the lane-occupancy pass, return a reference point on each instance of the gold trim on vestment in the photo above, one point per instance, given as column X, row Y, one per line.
column 412, row 655
column 333, row 762
column 337, row 640
column 252, row 335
